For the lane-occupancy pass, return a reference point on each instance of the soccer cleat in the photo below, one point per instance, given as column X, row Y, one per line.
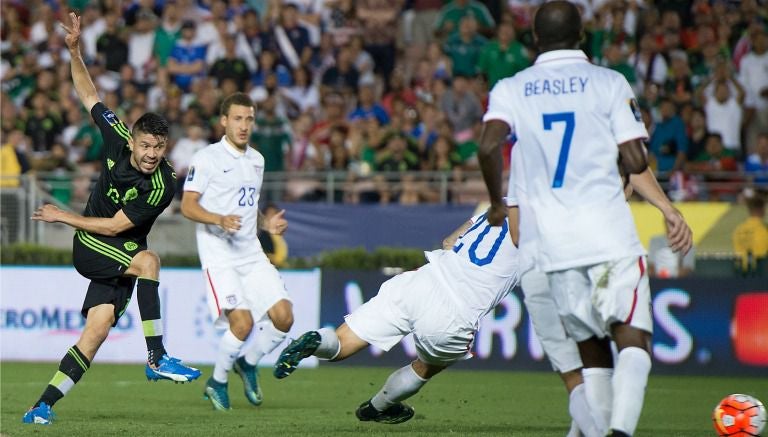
column 217, row 393
column 296, row 351
column 250, row 376
column 172, row 369
column 397, row 413
column 41, row 415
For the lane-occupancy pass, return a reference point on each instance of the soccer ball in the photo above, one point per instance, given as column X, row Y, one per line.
column 739, row 416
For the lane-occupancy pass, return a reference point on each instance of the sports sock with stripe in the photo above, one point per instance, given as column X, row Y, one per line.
column 401, row 384
column 148, row 299
column 71, row 368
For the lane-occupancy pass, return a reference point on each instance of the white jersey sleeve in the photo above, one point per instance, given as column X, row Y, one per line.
column 501, row 105
column 626, row 119
column 199, row 173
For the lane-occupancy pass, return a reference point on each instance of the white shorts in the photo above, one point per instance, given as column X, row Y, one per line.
column 591, row 299
column 255, row 286
column 561, row 349
column 414, row 302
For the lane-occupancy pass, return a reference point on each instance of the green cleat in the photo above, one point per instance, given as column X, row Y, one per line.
column 216, row 392
column 250, row 376
column 292, row 355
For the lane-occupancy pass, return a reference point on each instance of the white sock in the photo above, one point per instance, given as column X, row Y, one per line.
column 267, row 339
column 583, row 421
column 229, row 349
column 400, row 385
column 598, row 388
column 629, row 381
column 329, row 346
column 574, row 431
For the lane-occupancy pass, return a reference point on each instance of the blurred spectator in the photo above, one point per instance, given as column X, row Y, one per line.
column 451, row 14
column 665, row 263
column 650, row 65
column 258, row 40
column 342, row 77
column 292, row 38
column 362, row 60
column 181, row 154
column 187, row 60
column 419, row 29
column 614, row 58
column 612, row 32
column 271, row 136
column 367, row 106
column 12, row 160
column 724, row 116
column 697, row 133
column 167, row 32
column 398, row 90
column 757, row 162
column 715, row 157
column 268, row 65
column 340, row 21
column 502, row 57
column 141, row 47
column 463, row 47
column 43, row 125
column 379, row 19
column 668, row 144
column 750, row 238
column 754, row 75
column 679, row 86
column 398, row 155
column 230, row 66
column 111, row 45
column 460, row 106
column 303, row 96
column 217, row 48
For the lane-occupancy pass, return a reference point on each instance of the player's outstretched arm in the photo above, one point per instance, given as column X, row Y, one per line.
column 80, row 76
column 491, row 164
column 97, row 225
column 191, row 209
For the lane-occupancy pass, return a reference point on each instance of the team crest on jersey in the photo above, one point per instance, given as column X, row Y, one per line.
column 131, row 194
column 130, row 246
column 110, row 164
column 110, row 117
column 191, row 174
column 635, row 108
column 232, row 299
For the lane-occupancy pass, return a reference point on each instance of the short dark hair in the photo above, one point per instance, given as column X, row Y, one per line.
column 557, row 24
column 755, row 204
column 151, row 123
column 240, row 99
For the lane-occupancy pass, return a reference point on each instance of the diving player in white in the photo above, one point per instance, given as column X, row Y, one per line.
column 441, row 303
column 221, row 193
column 572, row 119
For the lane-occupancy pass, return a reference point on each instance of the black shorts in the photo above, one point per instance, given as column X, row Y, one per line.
column 117, row 292
column 104, row 261
column 98, row 257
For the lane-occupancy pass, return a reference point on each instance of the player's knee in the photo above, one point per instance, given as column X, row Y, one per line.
column 281, row 315
column 596, row 352
column 147, row 264
column 241, row 328
column 628, row 336
column 425, row 370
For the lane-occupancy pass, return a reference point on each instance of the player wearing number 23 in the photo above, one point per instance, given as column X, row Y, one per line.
column 245, row 292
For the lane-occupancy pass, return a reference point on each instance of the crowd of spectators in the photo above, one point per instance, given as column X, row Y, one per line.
column 371, row 86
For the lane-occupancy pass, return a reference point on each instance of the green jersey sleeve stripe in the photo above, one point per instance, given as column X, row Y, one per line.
column 158, row 188
column 103, row 248
column 122, row 130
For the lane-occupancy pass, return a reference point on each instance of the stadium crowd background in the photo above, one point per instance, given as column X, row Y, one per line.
column 372, row 86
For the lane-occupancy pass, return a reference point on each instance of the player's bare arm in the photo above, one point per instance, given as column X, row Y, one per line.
column 450, row 240
column 80, row 76
column 494, row 134
column 191, row 209
column 98, row 225
column 678, row 232
column 275, row 225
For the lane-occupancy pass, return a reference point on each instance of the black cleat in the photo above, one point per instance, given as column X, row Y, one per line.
column 397, row 413
column 296, row 351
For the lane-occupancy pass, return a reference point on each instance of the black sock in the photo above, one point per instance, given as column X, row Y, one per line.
column 71, row 368
column 148, row 298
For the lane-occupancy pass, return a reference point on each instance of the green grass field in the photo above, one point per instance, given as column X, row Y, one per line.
column 116, row 399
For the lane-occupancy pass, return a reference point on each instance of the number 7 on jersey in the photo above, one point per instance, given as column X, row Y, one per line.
column 565, row 146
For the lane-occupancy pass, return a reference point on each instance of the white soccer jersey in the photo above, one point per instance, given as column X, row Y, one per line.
column 481, row 269
column 569, row 117
column 229, row 182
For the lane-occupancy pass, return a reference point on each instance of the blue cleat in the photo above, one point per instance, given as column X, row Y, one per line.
column 171, row 369
column 216, row 392
column 250, row 376
column 41, row 415
column 296, row 351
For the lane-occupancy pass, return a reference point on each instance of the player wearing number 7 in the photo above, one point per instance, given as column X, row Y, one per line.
column 441, row 303
column 572, row 120
column 246, row 295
